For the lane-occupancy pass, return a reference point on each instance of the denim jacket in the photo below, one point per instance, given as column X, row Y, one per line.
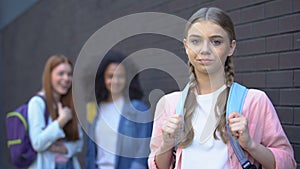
column 135, row 122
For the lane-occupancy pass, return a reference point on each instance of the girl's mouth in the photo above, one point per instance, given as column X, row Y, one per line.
column 204, row 61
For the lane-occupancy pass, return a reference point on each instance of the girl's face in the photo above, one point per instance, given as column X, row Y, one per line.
column 61, row 78
column 115, row 79
column 207, row 46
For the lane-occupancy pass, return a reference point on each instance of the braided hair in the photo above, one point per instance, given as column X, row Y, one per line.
column 220, row 18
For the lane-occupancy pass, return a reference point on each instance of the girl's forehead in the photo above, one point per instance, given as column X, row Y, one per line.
column 206, row 28
column 63, row 66
column 115, row 67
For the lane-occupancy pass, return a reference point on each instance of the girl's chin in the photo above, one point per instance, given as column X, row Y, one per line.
column 63, row 92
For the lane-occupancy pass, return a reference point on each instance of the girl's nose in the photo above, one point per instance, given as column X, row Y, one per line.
column 205, row 48
column 115, row 80
column 67, row 77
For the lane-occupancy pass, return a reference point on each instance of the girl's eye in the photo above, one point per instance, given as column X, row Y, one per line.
column 216, row 42
column 110, row 76
column 195, row 41
column 61, row 73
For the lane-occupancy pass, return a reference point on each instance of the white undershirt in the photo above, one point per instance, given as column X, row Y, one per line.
column 207, row 153
column 106, row 133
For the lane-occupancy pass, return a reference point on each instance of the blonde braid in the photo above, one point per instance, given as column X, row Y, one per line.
column 220, row 113
column 190, row 104
column 220, row 108
column 229, row 71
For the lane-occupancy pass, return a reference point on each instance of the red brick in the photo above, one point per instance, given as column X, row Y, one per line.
column 289, row 60
column 279, row 43
column 290, row 97
column 285, row 115
column 279, row 7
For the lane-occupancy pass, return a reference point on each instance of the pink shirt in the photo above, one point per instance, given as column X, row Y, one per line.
column 263, row 124
column 60, row 158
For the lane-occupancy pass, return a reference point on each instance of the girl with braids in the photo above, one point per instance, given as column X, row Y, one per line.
column 199, row 137
column 58, row 140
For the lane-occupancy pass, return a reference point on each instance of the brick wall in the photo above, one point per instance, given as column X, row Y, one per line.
column 267, row 56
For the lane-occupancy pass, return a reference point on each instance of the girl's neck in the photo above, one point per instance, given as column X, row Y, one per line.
column 208, row 84
column 113, row 97
column 56, row 97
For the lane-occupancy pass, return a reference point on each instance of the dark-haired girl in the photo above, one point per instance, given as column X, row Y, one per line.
column 119, row 134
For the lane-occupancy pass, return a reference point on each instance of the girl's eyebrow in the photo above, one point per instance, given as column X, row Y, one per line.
column 217, row 36
column 195, row 35
column 198, row 36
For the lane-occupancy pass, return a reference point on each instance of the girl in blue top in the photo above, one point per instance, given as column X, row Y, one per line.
column 120, row 133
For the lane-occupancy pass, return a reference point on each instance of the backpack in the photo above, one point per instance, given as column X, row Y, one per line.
column 235, row 102
column 18, row 141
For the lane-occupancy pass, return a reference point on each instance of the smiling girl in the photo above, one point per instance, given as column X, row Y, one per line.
column 58, row 140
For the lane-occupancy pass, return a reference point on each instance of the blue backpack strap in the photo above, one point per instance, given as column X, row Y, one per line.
column 236, row 98
column 180, row 111
column 235, row 103
column 180, row 105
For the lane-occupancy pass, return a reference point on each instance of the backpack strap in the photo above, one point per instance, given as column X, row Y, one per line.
column 180, row 111
column 46, row 113
column 180, row 105
column 235, row 102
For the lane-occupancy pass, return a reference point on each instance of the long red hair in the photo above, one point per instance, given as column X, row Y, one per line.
column 71, row 128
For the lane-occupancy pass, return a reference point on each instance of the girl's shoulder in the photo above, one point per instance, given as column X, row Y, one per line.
column 172, row 97
column 169, row 101
column 37, row 99
column 139, row 105
column 257, row 103
column 256, row 95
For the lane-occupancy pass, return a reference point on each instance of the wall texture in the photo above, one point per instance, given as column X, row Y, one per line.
column 267, row 56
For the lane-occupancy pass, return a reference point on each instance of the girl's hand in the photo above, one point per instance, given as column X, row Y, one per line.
column 64, row 112
column 171, row 130
column 238, row 126
column 64, row 115
column 58, row 148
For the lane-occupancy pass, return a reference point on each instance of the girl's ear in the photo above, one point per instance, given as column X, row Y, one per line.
column 232, row 47
column 185, row 46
